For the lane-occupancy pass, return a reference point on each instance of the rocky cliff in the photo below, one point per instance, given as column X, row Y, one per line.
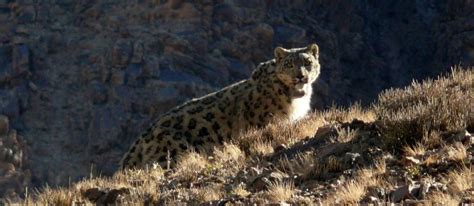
column 80, row 80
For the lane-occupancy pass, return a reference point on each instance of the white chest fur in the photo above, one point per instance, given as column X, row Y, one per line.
column 301, row 106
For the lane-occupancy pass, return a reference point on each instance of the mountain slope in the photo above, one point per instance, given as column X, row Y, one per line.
column 412, row 145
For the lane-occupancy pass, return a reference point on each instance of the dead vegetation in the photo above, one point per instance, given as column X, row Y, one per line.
column 414, row 145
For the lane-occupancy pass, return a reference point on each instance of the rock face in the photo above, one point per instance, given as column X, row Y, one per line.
column 80, row 80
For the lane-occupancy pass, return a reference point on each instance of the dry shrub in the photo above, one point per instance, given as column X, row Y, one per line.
column 349, row 193
column 209, row 193
column 346, row 134
column 321, row 167
column 261, row 142
column 190, row 165
column 444, row 104
column 353, row 191
column 307, row 165
column 432, row 139
column 254, row 144
column 431, row 160
column 288, row 133
column 261, row 149
column 303, row 165
column 229, row 154
column 456, row 152
column 336, row 114
column 145, row 181
column 459, row 180
column 380, row 167
column 280, row 191
column 228, row 160
column 176, row 196
column 240, row 191
column 154, row 174
column 440, row 198
column 414, row 150
column 60, row 196
column 333, row 164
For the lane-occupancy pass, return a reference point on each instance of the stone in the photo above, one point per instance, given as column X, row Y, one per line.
column 280, row 147
column 264, row 33
column 5, row 64
column 5, row 74
column 424, row 189
column 409, row 160
column 260, row 184
column 117, row 77
column 278, row 204
column 351, row 159
column 26, row 14
column 277, row 176
column 4, row 125
column 9, row 105
column 111, row 196
column 289, row 34
column 152, row 67
column 4, row 13
column 225, row 13
column 138, row 53
column 121, row 53
column 20, row 59
column 6, row 169
column 93, row 194
column 400, row 194
column 98, row 93
column 133, row 74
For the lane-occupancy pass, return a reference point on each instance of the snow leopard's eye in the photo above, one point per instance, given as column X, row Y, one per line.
column 288, row 64
column 306, row 62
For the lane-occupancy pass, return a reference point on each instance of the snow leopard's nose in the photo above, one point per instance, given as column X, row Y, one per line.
column 301, row 79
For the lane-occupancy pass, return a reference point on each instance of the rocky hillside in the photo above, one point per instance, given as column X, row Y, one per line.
column 413, row 146
column 79, row 80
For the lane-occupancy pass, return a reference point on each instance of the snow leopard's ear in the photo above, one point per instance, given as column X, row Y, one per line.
column 313, row 49
column 280, row 53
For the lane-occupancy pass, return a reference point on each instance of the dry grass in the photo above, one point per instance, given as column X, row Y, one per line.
column 414, row 150
column 261, row 148
column 350, row 193
column 417, row 121
column 229, row 154
column 432, row 139
column 456, row 152
column 353, row 191
column 58, row 196
column 459, row 180
column 209, row 193
column 240, row 191
column 262, row 142
column 439, row 198
column 346, row 134
column 444, row 104
column 288, row 133
column 280, row 191
column 190, row 165
column 303, row 165
column 254, row 144
column 336, row 114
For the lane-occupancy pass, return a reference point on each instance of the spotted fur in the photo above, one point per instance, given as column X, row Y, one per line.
column 279, row 88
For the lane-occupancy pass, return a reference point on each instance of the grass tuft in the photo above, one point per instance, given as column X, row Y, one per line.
column 344, row 164
column 280, row 191
column 444, row 104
